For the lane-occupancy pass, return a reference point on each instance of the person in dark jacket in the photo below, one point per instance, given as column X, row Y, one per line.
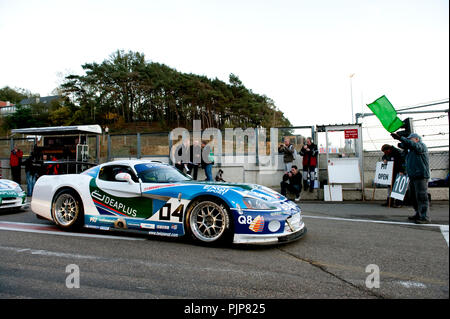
column 309, row 152
column 31, row 173
column 292, row 181
column 288, row 151
column 195, row 152
column 182, row 156
column 393, row 154
column 418, row 170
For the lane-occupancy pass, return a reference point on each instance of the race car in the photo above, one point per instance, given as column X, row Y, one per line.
column 156, row 198
column 11, row 195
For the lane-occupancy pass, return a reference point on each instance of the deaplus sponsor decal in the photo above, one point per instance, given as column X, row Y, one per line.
column 106, row 204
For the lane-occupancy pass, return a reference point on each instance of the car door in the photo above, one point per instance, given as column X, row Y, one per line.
column 159, row 183
column 106, row 180
column 119, row 198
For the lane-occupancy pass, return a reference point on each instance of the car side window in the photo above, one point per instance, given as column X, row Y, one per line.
column 108, row 173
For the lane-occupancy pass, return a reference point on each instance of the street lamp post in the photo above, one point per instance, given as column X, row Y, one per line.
column 351, row 94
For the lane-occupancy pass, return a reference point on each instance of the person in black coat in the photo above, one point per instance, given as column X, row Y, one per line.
column 292, row 182
column 31, row 173
column 393, row 154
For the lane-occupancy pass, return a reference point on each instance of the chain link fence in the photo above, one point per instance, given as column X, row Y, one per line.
column 156, row 146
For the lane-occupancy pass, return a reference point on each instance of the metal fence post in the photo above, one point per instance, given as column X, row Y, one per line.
column 138, row 142
column 108, row 149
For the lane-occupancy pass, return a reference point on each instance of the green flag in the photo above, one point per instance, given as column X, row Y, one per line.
column 386, row 113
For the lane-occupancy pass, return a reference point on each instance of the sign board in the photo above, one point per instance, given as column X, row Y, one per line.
column 383, row 173
column 351, row 134
column 344, row 170
column 333, row 193
column 400, row 187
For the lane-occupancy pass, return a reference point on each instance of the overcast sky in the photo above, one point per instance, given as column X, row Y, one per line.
column 299, row 53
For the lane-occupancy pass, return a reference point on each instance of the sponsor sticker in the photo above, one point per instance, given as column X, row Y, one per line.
column 257, row 225
column 221, row 190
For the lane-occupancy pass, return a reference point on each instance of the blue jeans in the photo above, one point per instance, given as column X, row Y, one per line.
column 31, row 180
column 208, row 172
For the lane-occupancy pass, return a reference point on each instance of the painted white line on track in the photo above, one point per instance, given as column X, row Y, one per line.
column 372, row 221
column 412, row 284
column 444, row 231
column 443, row 228
column 53, row 230
column 47, row 253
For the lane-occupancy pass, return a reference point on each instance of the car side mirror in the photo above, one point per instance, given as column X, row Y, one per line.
column 124, row 177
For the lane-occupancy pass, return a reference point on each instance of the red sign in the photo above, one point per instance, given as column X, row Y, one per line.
column 349, row 134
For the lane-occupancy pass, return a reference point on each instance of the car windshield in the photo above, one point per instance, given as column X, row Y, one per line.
column 151, row 173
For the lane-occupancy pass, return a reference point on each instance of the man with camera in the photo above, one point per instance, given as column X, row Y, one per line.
column 309, row 152
column 292, row 182
column 288, row 151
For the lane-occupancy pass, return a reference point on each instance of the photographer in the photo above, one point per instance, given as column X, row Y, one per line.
column 292, row 182
column 309, row 152
column 287, row 149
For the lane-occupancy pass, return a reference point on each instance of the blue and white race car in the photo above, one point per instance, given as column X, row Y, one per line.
column 158, row 199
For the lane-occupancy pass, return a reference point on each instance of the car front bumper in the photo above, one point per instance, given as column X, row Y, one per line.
column 12, row 202
column 268, row 239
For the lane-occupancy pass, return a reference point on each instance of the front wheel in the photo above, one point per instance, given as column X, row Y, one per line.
column 209, row 222
column 67, row 210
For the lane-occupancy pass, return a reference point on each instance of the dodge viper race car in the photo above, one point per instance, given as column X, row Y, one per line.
column 158, row 199
column 11, row 195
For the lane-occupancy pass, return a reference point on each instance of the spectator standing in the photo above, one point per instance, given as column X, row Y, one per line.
column 30, row 171
column 15, row 162
column 292, row 182
column 182, row 156
column 207, row 160
column 288, row 151
column 195, row 158
column 309, row 152
column 418, row 170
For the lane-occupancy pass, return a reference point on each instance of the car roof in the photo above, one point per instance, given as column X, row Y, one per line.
column 134, row 162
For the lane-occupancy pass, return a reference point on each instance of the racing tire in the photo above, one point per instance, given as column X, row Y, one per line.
column 208, row 222
column 67, row 210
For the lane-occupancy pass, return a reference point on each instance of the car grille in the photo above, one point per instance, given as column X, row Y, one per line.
column 293, row 223
column 6, row 202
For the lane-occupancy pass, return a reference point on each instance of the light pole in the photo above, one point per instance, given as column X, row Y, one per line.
column 351, row 94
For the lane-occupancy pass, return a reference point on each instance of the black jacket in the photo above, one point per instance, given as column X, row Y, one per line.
column 399, row 160
column 294, row 179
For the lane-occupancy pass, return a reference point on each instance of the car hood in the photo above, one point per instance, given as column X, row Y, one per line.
column 249, row 190
column 8, row 188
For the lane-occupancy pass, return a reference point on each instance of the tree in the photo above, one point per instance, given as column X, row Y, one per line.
column 127, row 86
column 14, row 95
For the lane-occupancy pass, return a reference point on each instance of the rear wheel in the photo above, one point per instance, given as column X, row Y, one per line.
column 209, row 222
column 67, row 210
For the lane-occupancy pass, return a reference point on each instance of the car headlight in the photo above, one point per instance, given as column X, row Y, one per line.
column 18, row 189
column 255, row 203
